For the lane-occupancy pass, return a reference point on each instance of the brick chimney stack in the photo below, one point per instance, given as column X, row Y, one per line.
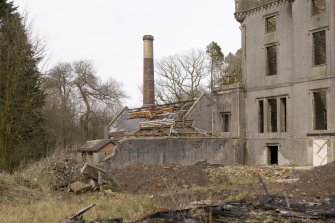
column 148, row 72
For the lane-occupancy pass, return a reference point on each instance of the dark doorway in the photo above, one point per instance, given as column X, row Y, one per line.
column 320, row 110
column 273, row 155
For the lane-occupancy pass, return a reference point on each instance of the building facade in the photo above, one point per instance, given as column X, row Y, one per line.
column 288, row 83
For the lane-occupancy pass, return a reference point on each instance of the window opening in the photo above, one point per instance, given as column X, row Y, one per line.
column 283, row 115
column 320, row 110
column 226, row 121
column 318, row 6
column 273, row 155
column 319, row 44
column 271, row 57
column 271, row 24
column 261, row 116
column 272, row 115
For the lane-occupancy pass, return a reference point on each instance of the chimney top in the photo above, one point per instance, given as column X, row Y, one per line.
column 148, row 37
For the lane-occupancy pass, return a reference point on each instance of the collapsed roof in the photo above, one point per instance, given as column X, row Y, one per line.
column 156, row 121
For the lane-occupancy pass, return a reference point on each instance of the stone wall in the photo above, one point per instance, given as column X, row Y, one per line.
column 184, row 151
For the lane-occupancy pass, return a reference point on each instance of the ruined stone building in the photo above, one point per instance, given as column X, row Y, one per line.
column 169, row 133
column 289, row 81
column 280, row 110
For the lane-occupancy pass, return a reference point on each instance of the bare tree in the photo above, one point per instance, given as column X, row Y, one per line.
column 181, row 77
column 78, row 102
column 94, row 94
column 60, row 109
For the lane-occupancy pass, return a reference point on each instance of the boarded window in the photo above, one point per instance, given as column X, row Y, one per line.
column 271, row 24
column 271, row 57
column 319, row 44
column 261, row 116
column 318, row 7
column 320, row 110
column 283, row 115
column 226, row 121
column 272, row 115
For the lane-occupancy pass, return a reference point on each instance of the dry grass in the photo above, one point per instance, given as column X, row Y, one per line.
column 14, row 189
column 53, row 209
column 28, row 196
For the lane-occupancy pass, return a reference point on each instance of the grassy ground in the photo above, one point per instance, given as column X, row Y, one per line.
column 52, row 209
column 29, row 195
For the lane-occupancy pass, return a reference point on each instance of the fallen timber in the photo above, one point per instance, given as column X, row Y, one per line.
column 259, row 209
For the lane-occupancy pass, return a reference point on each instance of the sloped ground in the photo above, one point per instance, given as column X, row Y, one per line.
column 318, row 183
column 15, row 189
column 37, row 181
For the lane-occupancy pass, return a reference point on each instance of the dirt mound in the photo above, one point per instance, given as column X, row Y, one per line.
column 317, row 183
column 149, row 179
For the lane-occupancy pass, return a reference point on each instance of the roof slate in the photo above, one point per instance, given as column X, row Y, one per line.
column 94, row 145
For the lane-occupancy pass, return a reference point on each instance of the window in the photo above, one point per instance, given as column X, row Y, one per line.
column 261, row 116
column 272, row 115
column 226, row 121
column 270, row 24
column 318, row 6
column 271, row 60
column 320, row 110
column 283, row 112
column 319, row 45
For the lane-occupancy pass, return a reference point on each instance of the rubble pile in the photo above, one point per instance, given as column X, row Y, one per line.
column 149, row 179
column 270, row 173
column 64, row 172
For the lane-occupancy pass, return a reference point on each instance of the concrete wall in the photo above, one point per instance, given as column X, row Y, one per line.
column 201, row 113
column 296, row 78
column 229, row 100
column 99, row 156
column 185, row 151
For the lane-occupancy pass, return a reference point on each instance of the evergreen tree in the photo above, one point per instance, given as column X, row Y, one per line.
column 21, row 99
column 216, row 62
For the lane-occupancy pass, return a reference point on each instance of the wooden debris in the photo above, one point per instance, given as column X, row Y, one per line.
column 79, row 187
column 264, row 186
column 156, row 123
column 77, row 216
column 293, row 180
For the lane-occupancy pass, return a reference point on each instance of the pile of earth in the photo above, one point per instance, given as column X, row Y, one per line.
column 318, row 183
column 149, row 179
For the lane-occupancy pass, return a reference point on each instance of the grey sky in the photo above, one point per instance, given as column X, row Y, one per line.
column 109, row 32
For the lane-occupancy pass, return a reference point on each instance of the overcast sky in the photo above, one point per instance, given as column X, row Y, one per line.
column 109, row 32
